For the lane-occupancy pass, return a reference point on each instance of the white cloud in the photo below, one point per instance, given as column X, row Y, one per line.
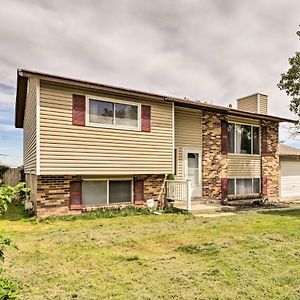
column 7, row 127
column 209, row 50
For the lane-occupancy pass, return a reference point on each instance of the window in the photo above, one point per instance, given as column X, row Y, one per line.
column 243, row 186
column 119, row 191
column 104, row 192
column 243, row 139
column 113, row 114
column 231, row 137
column 94, row 193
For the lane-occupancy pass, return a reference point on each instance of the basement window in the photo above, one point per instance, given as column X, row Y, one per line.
column 243, row 186
column 106, row 192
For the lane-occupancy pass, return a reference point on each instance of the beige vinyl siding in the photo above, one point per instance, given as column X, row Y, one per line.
column 188, row 133
column 70, row 149
column 30, row 124
column 246, row 121
column 247, row 166
column 248, row 103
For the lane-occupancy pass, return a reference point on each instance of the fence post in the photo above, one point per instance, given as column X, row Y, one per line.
column 189, row 195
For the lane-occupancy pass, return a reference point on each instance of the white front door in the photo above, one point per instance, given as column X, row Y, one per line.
column 192, row 159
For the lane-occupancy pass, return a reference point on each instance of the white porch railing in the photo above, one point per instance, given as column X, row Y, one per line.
column 180, row 190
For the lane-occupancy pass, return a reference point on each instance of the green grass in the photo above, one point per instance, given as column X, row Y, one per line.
column 247, row 256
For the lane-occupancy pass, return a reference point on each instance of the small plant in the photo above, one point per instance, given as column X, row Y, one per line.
column 5, row 243
column 205, row 249
column 100, row 214
column 8, row 194
column 16, row 194
column 171, row 177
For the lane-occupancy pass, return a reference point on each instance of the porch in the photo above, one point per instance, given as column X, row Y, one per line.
column 179, row 195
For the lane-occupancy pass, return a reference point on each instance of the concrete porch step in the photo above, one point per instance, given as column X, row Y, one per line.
column 200, row 200
column 200, row 207
column 211, row 208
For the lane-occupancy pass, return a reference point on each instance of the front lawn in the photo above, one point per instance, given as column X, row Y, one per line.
column 247, row 256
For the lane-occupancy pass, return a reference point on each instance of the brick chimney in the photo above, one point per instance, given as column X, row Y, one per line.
column 256, row 103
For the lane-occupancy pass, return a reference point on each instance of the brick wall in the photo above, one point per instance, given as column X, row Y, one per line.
column 270, row 162
column 154, row 187
column 214, row 166
column 53, row 193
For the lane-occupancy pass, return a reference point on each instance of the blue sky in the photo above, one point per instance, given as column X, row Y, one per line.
column 215, row 51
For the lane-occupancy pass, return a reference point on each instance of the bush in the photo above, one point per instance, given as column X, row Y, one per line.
column 10, row 194
column 3, row 169
column 8, row 289
column 100, row 214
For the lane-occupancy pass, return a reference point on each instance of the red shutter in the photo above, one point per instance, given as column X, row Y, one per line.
column 146, row 118
column 138, row 192
column 264, row 143
column 75, row 195
column 79, row 110
column 264, row 186
column 224, row 188
column 224, row 137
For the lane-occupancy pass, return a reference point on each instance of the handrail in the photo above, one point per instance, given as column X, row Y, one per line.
column 180, row 190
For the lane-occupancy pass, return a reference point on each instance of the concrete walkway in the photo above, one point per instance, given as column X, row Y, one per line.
column 250, row 211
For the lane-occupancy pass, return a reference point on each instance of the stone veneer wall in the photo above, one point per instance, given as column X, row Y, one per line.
column 154, row 187
column 214, row 165
column 270, row 162
column 53, row 193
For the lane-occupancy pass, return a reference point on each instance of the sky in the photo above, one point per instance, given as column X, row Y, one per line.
column 208, row 50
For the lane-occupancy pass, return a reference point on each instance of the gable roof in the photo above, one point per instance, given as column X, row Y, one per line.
column 22, row 82
column 285, row 150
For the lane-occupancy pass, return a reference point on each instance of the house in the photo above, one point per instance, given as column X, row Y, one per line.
column 289, row 173
column 90, row 145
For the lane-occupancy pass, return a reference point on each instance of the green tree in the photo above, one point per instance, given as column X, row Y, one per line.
column 290, row 82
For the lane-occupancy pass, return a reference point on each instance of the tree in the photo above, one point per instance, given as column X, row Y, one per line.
column 290, row 82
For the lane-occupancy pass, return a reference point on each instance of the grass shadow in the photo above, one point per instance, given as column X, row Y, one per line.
column 14, row 213
column 283, row 213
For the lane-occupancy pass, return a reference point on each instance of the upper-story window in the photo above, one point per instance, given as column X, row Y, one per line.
column 243, row 139
column 110, row 113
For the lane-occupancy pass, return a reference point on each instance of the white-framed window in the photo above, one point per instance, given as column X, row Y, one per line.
column 106, row 191
column 243, row 139
column 243, row 186
column 109, row 113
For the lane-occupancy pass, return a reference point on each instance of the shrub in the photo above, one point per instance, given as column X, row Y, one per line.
column 10, row 194
column 171, row 177
column 3, row 169
column 8, row 289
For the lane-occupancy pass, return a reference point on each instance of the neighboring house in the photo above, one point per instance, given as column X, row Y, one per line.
column 88, row 145
column 289, row 173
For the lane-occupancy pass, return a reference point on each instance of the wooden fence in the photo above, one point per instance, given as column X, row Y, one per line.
column 12, row 176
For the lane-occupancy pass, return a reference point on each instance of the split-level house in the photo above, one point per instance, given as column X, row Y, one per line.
column 90, row 145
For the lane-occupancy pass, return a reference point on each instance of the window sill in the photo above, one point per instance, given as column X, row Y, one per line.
column 244, row 197
column 243, row 154
column 76, row 207
column 95, row 125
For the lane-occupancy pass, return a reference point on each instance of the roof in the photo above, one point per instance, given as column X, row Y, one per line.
column 288, row 150
column 22, row 82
